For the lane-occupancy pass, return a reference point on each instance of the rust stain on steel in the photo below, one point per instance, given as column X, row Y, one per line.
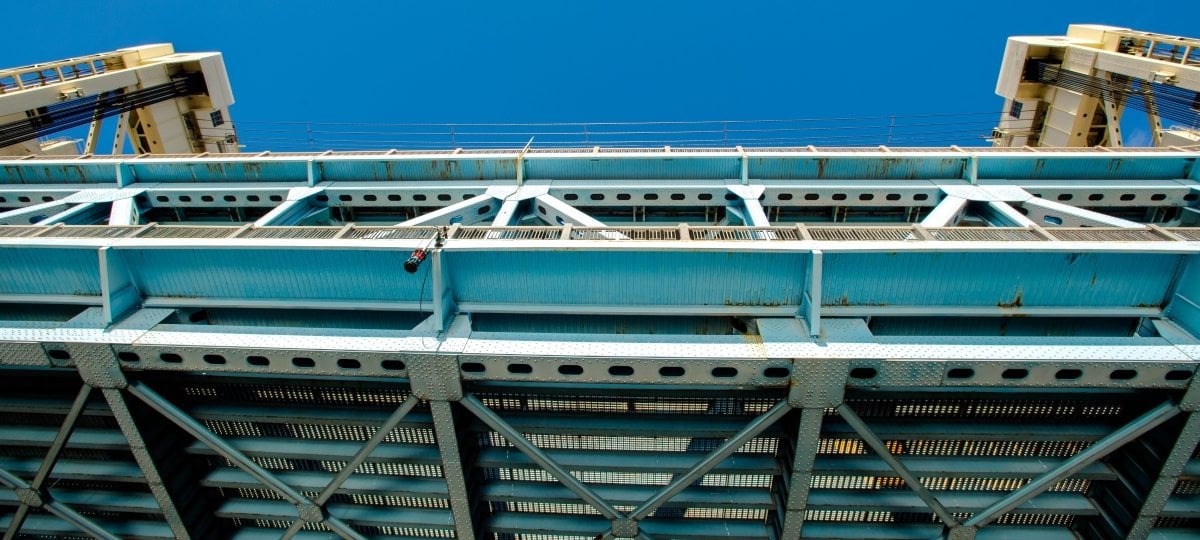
column 1015, row 303
column 13, row 170
column 821, row 162
column 752, row 303
column 252, row 169
column 444, row 169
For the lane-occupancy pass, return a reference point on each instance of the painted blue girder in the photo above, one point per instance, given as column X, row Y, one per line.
column 651, row 164
column 611, row 276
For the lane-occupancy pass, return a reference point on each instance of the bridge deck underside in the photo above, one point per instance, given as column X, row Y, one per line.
column 753, row 344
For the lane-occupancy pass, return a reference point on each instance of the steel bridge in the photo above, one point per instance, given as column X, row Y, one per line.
column 647, row 343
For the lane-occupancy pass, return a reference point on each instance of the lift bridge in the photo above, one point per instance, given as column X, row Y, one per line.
column 623, row 343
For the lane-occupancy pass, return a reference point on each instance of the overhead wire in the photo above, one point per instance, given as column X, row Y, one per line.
column 899, row 129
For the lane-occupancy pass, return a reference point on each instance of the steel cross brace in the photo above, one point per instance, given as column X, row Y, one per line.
column 359, row 457
column 308, row 510
column 877, row 444
column 1168, row 477
column 1110, row 443
column 625, row 525
column 31, row 494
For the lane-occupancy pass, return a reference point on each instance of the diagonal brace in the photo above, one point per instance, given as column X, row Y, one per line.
column 307, row 509
column 493, row 420
column 56, row 446
column 381, row 434
column 738, row 440
column 59, row 509
column 1072, row 465
column 877, row 444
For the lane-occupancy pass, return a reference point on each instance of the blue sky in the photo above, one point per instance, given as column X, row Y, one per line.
column 404, row 62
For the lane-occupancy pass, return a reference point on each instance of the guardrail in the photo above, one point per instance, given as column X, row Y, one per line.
column 795, row 233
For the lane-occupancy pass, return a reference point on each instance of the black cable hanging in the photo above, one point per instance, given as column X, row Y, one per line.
column 1168, row 102
column 82, row 111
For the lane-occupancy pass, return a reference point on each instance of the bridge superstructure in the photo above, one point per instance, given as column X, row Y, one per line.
column 650, row 343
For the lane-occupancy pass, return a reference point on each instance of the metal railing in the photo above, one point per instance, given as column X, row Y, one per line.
column 794, row 233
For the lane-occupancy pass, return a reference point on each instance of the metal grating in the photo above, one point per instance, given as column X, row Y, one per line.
column 984, row 234
column 744, row 233
column 91, row 231
column 625, row 233
column 391, row 233
column 10, row 231
column 311, row 233
column 1187, row 233
column 1105, row 235
column 187, row 231
column 868, row 234
column 509, row 233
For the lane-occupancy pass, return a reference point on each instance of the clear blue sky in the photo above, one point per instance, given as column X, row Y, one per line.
column 402, row 62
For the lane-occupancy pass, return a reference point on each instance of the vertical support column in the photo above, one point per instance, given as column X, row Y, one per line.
column 452, row 467
column 1153, row 119
column 119, row 135
column 145, row 460
column 813, row 294
column 816, row 386
column 93, row 135
column 1177, row 459
column 436, row 378
column 444, row 306
column 116, row 285
column 124, row 178
column 808, row 439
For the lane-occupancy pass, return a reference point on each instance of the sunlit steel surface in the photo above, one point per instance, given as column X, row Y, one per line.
column 655, row 343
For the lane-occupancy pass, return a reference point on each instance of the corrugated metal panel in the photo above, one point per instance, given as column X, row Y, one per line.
column 1082, row 167
column 997, row 279
column 664, row 166
column 265, row 274
column 247, row 170
column 49, row 271
column 57, row 173
column 850, row 167
column 663, row 278
column 438, row 168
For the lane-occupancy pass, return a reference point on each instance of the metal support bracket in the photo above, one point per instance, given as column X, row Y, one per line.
column 30, row 497
column 435, row 377
column 624, row 528
column 97, row 365
column 294, row 210
column 818, row 383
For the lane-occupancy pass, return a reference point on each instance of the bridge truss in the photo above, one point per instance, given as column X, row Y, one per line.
column 654, row 343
